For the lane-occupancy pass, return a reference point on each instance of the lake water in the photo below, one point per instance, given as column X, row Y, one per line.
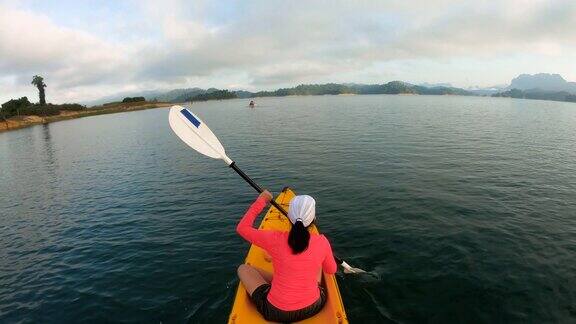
column 462, row 208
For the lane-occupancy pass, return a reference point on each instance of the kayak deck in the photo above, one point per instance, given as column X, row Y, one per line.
column 243, row 311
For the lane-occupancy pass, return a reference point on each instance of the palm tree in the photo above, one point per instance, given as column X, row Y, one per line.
column 38, row 81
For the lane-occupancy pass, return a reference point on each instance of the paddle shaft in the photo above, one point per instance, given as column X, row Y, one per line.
column 256, row 186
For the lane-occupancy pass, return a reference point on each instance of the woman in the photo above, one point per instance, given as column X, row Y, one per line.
column 293, row 293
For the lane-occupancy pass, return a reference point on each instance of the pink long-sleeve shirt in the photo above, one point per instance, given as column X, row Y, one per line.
column 294, row 283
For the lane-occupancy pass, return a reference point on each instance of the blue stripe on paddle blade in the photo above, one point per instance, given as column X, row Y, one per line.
column 190, row 117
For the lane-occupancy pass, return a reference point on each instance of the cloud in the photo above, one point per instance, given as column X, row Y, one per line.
column 492, row 28
column 266, row 44
column 30, row 43
column 297, row 72
column 273, row 40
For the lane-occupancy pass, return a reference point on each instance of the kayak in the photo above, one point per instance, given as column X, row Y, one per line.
column 244, row 312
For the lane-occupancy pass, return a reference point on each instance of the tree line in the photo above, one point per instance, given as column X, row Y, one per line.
column 23, row 107
column 393, row 87
column 537, row 95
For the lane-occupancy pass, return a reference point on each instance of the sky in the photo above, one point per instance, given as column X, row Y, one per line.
column 88, row 49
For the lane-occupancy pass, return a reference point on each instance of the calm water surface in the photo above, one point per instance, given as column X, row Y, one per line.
column 464, row 209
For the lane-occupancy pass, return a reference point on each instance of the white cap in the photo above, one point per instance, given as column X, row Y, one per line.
column 302, row 208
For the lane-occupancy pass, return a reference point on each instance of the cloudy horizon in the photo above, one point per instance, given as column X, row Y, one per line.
column 88, row 49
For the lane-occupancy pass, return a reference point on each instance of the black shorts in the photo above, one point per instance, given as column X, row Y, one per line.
column 272, row 313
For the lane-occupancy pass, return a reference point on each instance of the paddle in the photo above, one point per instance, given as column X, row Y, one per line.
column 194, row 132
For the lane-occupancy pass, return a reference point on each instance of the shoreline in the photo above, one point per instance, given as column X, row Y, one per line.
column 15, row 123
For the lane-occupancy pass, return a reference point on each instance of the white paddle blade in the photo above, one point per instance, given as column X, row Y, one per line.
column 350, row 269
column 194, row 132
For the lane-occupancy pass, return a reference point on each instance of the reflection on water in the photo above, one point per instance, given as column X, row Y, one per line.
column 49, row 154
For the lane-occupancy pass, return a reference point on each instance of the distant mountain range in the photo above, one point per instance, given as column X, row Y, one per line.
column 541, row 86
column 537, row 86
column 176, row 95
column 433, row 85
column 198, row 94
column 394, row 87
column 542, row 82
column 486, row 91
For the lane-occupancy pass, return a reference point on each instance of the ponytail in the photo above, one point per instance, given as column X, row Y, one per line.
column 298, row 238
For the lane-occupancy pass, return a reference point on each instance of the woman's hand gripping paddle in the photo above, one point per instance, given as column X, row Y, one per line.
column 196, row 134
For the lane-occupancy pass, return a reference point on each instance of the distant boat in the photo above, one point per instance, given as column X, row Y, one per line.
column 251, row 104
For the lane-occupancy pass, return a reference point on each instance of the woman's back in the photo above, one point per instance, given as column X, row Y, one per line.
column 295, row 281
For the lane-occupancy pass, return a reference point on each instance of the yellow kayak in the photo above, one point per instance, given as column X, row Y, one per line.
column 244, row 312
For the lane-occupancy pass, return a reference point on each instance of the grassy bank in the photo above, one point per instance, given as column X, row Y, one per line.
column 26, row 121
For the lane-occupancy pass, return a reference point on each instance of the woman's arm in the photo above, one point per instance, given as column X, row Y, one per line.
column 245, row 228
column 329, row 264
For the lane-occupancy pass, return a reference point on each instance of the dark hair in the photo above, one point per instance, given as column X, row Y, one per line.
column 298, row 238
